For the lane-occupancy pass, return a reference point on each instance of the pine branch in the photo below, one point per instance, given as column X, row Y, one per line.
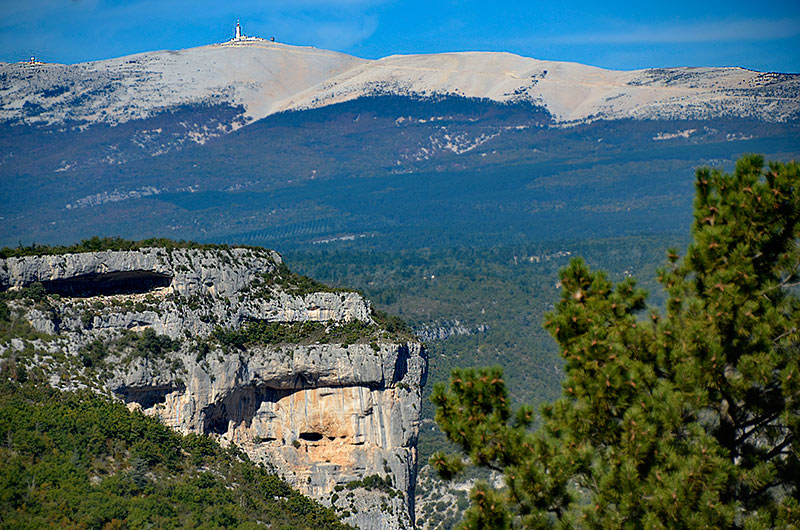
column 787, row 333
column 778, row 449
column 757, row 426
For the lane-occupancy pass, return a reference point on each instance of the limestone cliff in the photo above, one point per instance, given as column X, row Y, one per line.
column 229, row 343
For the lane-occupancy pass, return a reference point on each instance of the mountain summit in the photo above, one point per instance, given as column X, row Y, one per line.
column 267, row 77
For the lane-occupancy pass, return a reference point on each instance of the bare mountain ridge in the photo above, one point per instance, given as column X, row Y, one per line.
column 148, row 144
column 264, row 78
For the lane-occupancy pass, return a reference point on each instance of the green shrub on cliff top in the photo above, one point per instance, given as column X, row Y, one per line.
column 100, row 244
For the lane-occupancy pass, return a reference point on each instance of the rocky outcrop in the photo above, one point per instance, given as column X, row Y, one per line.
column 446, row 329
column 178, row 291
column 333, row 404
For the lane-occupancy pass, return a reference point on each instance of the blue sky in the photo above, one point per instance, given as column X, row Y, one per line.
column 763, row 35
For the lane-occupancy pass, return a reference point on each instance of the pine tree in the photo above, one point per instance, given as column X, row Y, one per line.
column 686, row 419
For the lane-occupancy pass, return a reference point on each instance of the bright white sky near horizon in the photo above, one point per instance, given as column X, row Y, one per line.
column 763, row 35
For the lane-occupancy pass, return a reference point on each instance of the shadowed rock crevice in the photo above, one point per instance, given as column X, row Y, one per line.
column 104, row 284
column 401, row 364
column 148, row 396
column 239, row 407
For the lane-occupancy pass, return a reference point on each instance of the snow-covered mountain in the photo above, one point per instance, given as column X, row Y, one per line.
column 570, row 91
column 266, row 77
column 258, row 76
column 195, row 144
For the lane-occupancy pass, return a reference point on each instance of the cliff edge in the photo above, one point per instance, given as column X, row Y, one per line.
column 228, row 342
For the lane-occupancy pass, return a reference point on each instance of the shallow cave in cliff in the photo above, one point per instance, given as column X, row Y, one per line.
column 109, row 283
column 216, row 419
column 147, row 396
column 310, row 436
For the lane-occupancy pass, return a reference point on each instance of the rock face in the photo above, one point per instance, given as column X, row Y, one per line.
column 330, row 399
column 183, row 290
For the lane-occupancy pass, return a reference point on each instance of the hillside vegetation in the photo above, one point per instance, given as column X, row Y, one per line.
column 78, row 460
column 101, row 244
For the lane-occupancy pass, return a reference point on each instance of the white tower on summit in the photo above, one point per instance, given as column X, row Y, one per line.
column 238, row 34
